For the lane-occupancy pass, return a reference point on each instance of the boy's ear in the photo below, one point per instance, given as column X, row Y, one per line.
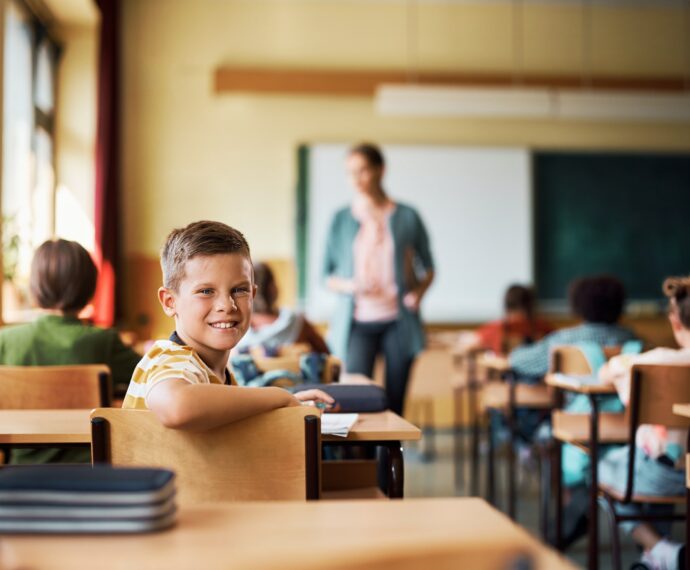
column 167, row 301
column 255, row 288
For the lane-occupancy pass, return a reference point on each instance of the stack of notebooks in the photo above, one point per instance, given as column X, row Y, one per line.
column 337, row 424
column 85, row 499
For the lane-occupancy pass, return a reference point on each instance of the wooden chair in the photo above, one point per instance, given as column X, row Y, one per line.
column 654, row 390
column 80, row 386
column 431, row 377
column 574, row 429
column 275, row 455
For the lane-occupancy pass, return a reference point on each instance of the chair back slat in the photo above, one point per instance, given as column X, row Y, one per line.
column 568, row 359
column 656, row 388
column 263, row 457
column 54, row 387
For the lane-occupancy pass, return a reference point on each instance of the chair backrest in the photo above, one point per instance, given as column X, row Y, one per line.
column 568, row 359
column 76, row 386
column 654, row 390
column 432, row 373
column 275, row 455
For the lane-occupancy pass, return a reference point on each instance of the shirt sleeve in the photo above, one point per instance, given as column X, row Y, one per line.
column 531, row 360
column 174, row 367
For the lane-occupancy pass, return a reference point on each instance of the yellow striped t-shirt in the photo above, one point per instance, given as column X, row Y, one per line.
column 164, row 361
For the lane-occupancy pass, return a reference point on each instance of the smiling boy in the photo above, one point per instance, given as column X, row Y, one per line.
column 208, row 288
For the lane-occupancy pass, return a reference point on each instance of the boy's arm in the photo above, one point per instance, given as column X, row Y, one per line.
column 179, row 404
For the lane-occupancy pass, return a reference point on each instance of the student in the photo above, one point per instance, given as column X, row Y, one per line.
column 62, row 282
column 519, row 324
column 272, row 327
column 598, row 301
column 660, row 460
column 208, row 288
column 378, row 261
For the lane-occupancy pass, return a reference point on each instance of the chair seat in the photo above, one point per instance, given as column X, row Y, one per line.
column 496, row 395
column 618, row 495
column 574, row 428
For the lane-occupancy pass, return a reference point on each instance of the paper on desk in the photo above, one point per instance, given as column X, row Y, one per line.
column 577, row 380
column 337, row 424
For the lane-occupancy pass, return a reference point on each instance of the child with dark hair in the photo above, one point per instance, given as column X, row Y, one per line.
column 660, row 457
column 272, row 327
column 598, row 301
column 63, row 280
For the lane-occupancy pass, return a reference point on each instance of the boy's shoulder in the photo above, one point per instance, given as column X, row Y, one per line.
column 165, row 349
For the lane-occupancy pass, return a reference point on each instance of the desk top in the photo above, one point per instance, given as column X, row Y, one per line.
column 682, row 410
column 21, row 427
column 572, row 384
column 494, row 362
column 409, row 534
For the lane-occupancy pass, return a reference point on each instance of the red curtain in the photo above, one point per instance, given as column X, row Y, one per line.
column 107, row 188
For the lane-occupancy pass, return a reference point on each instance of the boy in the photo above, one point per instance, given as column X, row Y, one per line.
column 208, row 287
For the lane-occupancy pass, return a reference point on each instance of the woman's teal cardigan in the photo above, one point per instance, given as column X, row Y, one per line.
column 412, row 257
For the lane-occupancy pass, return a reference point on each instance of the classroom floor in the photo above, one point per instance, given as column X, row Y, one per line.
column 436, row 478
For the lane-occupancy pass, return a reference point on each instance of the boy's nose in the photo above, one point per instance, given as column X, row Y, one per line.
column 226, row 304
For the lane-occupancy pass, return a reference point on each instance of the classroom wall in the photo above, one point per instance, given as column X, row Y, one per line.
column 189, row 153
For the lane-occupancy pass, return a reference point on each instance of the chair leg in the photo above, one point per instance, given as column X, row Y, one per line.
column 429, row 431
column 609, row 508
column 511, row 463
column 476, row 418
column 545, row 489
column 491, row 464
column 557, row 482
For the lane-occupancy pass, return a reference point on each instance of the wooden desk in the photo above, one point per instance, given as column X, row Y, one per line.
column 362, row 535
column 682, row 410
column 69, row 427
column 568, row 434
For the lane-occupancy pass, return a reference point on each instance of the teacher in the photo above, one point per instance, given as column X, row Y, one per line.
column 379, row 262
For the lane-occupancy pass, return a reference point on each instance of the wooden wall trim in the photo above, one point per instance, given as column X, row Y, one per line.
column 364, row 82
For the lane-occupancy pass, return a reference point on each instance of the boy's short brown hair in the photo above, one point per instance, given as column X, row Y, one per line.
column 63, row 276
column 198, row 238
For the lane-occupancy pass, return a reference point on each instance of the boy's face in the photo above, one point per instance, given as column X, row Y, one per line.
column 213, row 304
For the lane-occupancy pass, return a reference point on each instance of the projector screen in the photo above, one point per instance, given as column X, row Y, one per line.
column 475, row 203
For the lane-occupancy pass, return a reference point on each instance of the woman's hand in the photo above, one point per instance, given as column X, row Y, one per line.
column 315, row 397
column 412, row 300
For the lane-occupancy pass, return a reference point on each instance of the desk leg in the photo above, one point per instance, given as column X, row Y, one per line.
column 396, row 470
column 593, row 547
column 491, row 464
column 458, row 417
column 557, row 474
column 475, row 413
column 687, row 510
column 511, row 446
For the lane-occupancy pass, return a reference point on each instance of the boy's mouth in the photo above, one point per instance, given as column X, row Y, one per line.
column 224, row 325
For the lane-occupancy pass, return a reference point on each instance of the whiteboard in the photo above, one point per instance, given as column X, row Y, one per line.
column 475, row 203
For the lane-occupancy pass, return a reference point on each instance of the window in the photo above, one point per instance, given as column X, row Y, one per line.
column 28, row 177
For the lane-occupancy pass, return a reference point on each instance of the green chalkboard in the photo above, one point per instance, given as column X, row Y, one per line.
column 623, row 214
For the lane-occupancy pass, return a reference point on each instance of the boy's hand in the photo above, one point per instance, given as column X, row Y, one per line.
column 317, row 397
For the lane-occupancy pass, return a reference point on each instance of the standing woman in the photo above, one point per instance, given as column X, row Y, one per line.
column 379, row 263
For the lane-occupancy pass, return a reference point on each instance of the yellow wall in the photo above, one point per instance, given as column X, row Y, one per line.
column 190, row 154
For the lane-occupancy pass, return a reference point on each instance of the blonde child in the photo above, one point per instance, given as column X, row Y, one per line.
column 208, row 288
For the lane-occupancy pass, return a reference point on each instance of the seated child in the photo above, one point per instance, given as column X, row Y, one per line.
column 62, row 282
column 518, row 326
column 208, row 288
column 598, row 301
column 659, row 461
column 272, row 327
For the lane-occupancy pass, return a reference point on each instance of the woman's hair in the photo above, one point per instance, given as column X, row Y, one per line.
column 677, row 289
column 370, row 152
column 598, row 298
column 519, row 298
column 63, row 276
column 266, row 289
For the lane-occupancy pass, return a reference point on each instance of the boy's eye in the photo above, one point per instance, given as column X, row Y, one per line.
column 206, row 291
column 240, row 291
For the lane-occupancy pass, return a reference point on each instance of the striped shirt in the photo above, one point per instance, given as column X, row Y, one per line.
column 533, row 360
column 166, row 360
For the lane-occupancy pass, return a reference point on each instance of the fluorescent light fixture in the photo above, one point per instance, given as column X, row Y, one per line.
column 623, row 105
column 531, row 103
column 444, row 101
